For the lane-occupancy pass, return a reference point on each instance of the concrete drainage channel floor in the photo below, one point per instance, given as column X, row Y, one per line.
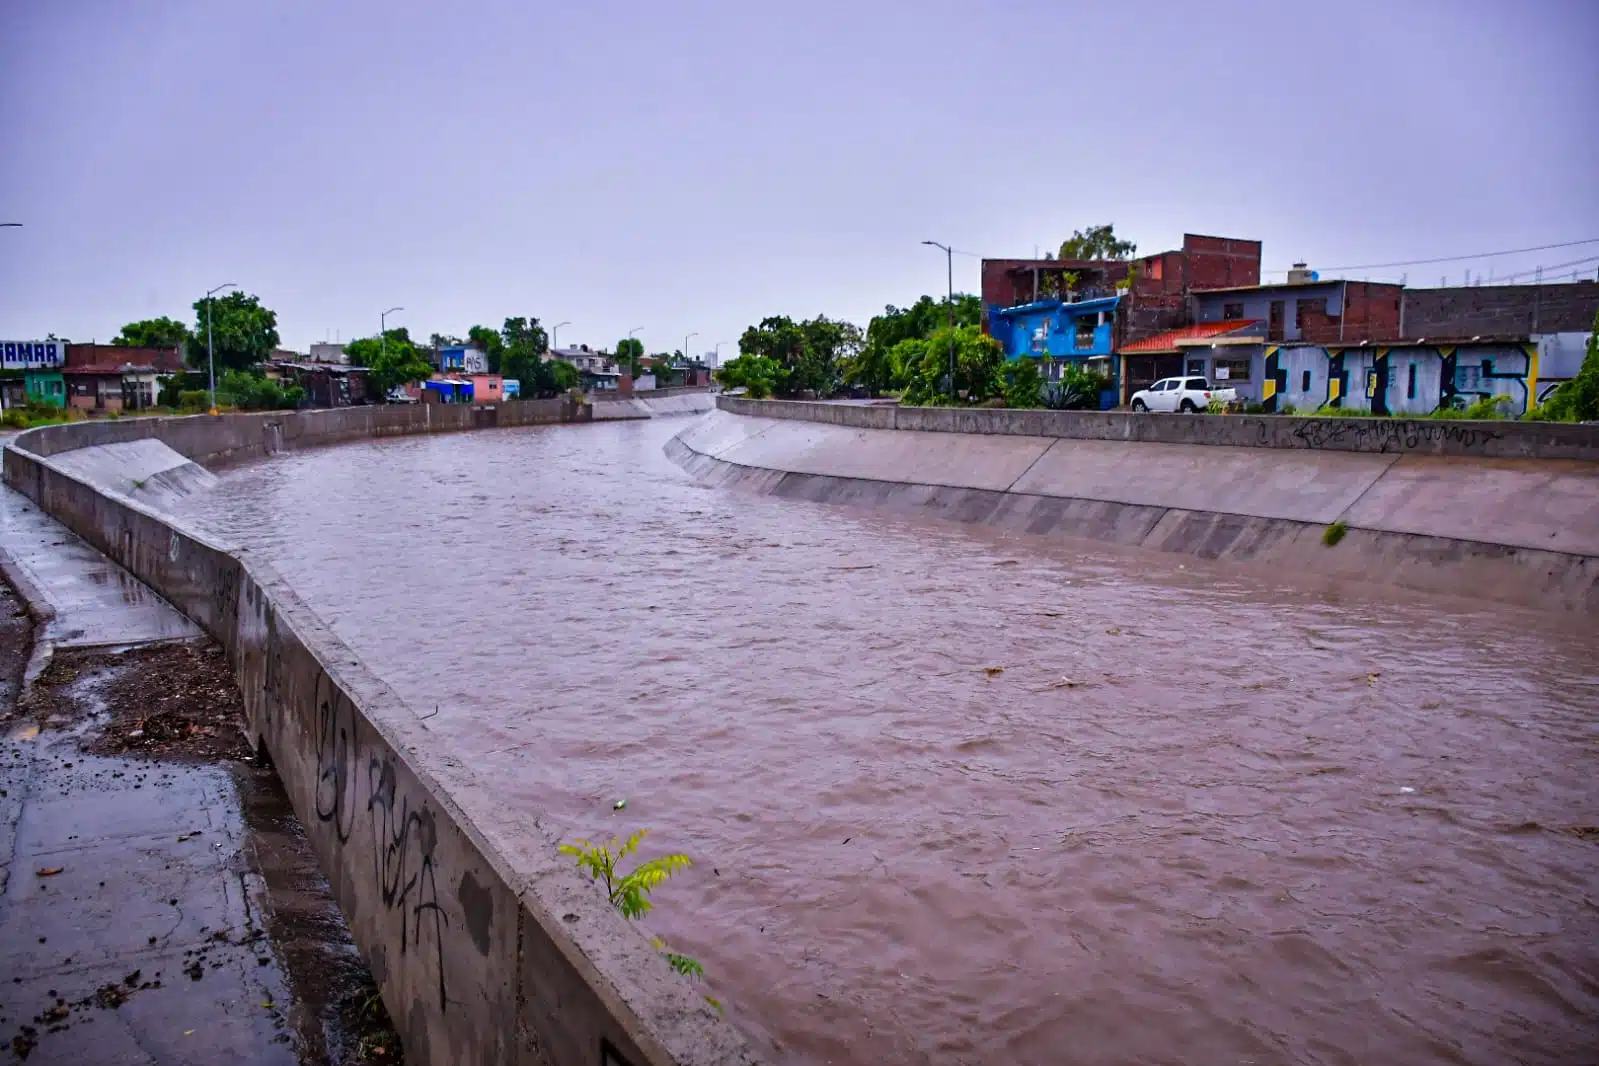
column 158, row 901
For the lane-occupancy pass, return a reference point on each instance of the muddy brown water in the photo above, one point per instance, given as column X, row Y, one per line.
column 956, row 796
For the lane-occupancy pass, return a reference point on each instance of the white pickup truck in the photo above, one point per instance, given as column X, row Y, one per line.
column 1181, row 394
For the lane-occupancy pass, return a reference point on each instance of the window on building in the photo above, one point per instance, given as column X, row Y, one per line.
column 1487, row 368
column 1304, row 382
column 1303, row 308
column 1155, row 269
column 1231, row 370
column 1232, row 312
column 1410, row 383
column 1085, row 332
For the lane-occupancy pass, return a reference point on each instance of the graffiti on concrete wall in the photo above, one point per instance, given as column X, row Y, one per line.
column 359, row 782
column 1382, row 435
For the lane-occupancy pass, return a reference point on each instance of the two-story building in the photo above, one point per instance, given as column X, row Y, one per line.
column 463, row 359
column 1059, row 332
column 595, row 370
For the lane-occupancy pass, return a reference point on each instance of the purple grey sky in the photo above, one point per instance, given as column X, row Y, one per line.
column 695, row 167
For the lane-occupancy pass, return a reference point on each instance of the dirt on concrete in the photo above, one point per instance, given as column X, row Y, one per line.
column 172, row 701
column 226, row 941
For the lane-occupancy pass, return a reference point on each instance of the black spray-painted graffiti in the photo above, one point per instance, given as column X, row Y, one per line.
column 404, row 840
column 1383, row 435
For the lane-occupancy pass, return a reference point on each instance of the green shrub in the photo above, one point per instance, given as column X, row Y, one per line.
column 629, row 893
column 194, row 400
column 1334, row 533
column 1024, row 385
column 1077, row 390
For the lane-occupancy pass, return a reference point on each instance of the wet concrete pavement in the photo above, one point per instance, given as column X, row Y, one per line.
column 95, row 602
column 160, row 909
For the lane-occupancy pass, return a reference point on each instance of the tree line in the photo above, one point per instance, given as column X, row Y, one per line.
column 933, row 351
column 244, row 333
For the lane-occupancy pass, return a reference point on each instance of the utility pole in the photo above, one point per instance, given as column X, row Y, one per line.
column 686, row 358
column 210, row 355
column 555, row 336
column 383, row 335
column 949, row 263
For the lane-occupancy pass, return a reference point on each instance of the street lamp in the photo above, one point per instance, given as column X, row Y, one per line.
column 383, row 331
column 949, row 262
column 686, row 359
column 555, row 336
column 16, row 224
column 716, row 356
column 210, row 354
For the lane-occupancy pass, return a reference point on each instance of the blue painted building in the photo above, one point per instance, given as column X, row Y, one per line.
column 463, row 359
column 1063, row 334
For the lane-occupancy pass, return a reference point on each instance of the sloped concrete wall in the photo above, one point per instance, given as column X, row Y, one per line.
column 488, row 946
column 1517, row 530
column 211, row 440
column 1384, row 436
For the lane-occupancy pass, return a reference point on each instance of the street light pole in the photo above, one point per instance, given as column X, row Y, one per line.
column 383, row 333
column 685, row 347
column 210, row 353
column 949, row 263
column 555, row 336
column 718, row 353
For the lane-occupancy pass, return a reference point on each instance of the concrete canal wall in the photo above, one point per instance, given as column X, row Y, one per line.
column 1420, row 515
column 488, row 946
column 1384, row 436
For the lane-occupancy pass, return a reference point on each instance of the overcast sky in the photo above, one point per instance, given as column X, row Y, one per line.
column 695, row 167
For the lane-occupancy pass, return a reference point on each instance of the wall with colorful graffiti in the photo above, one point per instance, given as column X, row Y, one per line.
column 1403, row 379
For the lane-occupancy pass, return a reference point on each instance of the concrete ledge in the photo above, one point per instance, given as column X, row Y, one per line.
column 212, row 440
column 1385, row 436
column 488, row 946
column 1515, row 531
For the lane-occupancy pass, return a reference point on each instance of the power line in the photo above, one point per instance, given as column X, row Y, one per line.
column 1545, row 269
column 1453, row 258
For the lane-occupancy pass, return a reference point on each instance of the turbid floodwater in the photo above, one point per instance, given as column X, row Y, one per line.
column 957, row 796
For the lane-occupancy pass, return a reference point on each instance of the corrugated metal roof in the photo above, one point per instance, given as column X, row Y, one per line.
column 1200, row 331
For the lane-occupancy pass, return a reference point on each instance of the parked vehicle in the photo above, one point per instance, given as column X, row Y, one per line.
column 399, row 395
column 1187, row 395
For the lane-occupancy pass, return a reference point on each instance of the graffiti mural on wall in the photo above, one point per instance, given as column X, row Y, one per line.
column 1401, row 379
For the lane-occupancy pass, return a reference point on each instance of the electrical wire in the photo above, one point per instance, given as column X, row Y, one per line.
column 1452, row 258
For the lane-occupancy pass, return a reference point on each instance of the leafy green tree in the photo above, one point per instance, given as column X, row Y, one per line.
column 562, row 375
column 152, row 333
column 979, row 362
column 250, row 390
column 629, row 350
column 243, row 333
column 1097, row 242
column 1578, row 399
column 1024, row 385
column 390, row 361
column 489, row 342
column 758, row 374
column 812, row 354
column 876, row 368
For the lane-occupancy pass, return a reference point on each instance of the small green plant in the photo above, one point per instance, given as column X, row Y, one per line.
column 630, row 892
column 1334, row 533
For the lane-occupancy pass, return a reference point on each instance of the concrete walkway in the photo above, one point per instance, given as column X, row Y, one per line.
column 138, row 918
column 94, row 601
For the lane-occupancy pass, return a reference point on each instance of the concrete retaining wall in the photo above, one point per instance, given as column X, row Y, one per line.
column 1517, row 530
column 211, row 440
column 488, row 946
column 602, row 395
column 1384, row 436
